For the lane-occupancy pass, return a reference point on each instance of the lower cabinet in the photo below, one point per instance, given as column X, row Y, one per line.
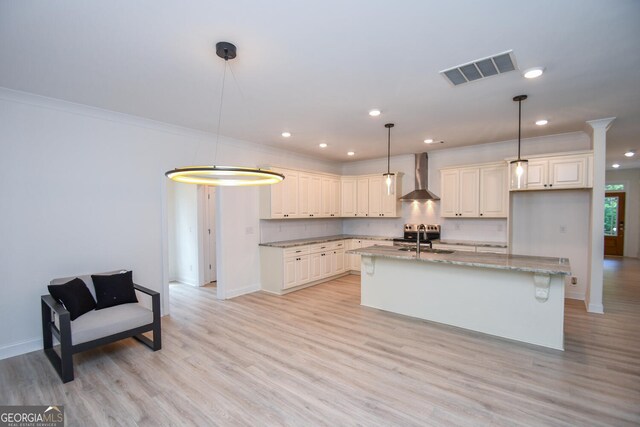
column 284, row 269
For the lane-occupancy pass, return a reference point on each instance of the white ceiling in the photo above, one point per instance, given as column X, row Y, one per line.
column 316, row 68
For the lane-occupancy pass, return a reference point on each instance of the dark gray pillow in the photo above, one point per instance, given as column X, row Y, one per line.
column 74, row 296
column 114, row 289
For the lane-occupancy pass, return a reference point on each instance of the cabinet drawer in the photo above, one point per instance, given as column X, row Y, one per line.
column 321, row 247
column 297, row 250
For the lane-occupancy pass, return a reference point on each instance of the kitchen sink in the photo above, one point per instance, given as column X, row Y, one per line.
column 427, row 250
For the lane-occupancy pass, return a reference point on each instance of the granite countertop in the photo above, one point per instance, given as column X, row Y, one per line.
column 470, row 243
column 531, row 264
column 323, row 239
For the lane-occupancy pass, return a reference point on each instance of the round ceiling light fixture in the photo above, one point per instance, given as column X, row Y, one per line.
column 533, row 73
column 542, row 122
column 323, row 145
column 374, row 113
column 351, row 153
column 286, row 134
column 428, row 141
column 615, row 166
column 630, row 153
column 224, row 175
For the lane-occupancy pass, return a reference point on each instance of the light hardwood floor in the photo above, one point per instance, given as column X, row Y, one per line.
column 315, row 357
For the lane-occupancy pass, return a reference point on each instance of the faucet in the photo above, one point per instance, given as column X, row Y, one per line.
column 420, row 228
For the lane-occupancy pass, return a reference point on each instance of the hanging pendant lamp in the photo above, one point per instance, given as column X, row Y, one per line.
column 389, row 177
column 224, row 175
column 519, row 167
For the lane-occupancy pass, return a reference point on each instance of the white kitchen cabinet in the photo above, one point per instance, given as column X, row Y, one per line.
column 352, row 260
column 309, row 195
column 362, row 197
column 460, row 192
column 494, row 194
column 330, row 197
column 284, row 269
column 560, row 172
column 375, row 196
column 349, row 193
column 474, row 192
column 280, row 200
column 382, row 204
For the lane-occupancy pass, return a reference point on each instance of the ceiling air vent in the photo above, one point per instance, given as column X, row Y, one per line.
column 481, row 68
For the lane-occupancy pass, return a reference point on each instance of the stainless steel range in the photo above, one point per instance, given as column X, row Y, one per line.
column 428, row 233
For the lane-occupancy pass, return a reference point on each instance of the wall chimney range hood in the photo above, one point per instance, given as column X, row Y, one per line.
column 422, row 178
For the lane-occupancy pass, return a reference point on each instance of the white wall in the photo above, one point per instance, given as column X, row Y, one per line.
column 83, row 191
column 183, row 233
column 554, row 224
column 631, row 180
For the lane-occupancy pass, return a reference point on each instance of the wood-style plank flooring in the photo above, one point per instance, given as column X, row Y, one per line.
column 315, row 357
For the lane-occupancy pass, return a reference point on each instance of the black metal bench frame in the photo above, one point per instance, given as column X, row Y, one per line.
column 63, row 363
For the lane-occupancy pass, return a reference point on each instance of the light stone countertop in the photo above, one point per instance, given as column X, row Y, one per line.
column 470, row 243
column 323, row 239
column 531, row 264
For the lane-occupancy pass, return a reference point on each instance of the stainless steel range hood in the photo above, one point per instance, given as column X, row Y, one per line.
column 422, row 178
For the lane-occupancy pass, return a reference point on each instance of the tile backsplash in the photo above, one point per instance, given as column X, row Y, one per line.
column 290, row 229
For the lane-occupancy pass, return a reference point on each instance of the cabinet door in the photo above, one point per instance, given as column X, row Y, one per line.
column 334, row 197
column 303, row 194
column 325, row 258
column 315, row 268
column 362, row 197
column 389, row 202
column 290, row 195
column 353, row 259
column 469, row 191
column 567, row 172
column 537, row 174
column 493, row 192
column 314, row 195
column 289, row 279
column 277, row 198
column 375, row 196
column 326, row 190
column 337, row 260
column 449, row 184
column 348, row 191
column 302, row 269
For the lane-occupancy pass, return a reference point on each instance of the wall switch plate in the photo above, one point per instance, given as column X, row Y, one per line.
column 574, row 280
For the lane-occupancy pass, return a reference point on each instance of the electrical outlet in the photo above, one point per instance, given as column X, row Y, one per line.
column 574, row 280
column 563, row 229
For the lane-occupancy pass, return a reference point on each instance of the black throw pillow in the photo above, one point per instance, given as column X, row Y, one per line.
column 114, row 289
column 75, row 297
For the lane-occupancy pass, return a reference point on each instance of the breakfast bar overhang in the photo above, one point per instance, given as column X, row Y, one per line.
column 511, row 296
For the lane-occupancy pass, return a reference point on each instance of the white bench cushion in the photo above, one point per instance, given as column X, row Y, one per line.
column 108, row 321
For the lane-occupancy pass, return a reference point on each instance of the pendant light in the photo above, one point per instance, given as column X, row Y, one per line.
column 224, row 175
column 389, row 177
column 519, row 167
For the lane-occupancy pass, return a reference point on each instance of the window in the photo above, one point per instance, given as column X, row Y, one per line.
column 614, row 187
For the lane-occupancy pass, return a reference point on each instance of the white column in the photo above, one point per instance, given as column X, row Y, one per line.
column 596, row 248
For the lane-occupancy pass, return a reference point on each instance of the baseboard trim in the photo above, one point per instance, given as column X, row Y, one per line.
column 17, row 349
column 242, row 291
column 595, row 308
column 574, row 295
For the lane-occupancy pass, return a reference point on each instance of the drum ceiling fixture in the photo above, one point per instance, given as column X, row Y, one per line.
column 224, row 175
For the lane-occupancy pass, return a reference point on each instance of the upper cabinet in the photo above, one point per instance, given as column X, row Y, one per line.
column 474, row 192
column 560, row 172
column 313, row 195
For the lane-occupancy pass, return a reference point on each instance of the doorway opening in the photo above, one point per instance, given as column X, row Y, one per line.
column 614, row 214
column 191, row 218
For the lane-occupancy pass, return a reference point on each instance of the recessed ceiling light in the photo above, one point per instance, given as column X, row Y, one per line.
column 630, row 153
column 428, row 141
column 374, row 113
column 615, row 166
column 351, row 153
column 542, row 122
column 323, row 145
column 286, row 134
column 533, row 73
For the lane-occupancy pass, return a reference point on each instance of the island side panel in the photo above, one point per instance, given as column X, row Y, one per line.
column 492, row 301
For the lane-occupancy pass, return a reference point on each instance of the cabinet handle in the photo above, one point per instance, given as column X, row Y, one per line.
column 545, row 185
column 550, row 185
column 481, row 214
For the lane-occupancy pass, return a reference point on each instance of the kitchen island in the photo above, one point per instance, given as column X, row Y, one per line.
column 510, row 296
